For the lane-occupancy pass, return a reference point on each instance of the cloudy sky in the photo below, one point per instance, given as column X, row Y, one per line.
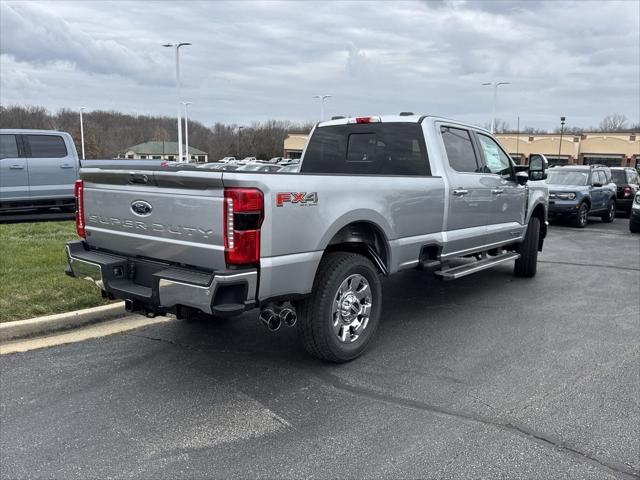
column 258, row 60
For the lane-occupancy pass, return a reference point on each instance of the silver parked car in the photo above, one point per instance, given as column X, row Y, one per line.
column 38, row 168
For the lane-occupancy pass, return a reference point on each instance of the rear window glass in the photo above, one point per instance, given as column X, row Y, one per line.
column 619, row 177
column 46, row 146
column 8, row 146
column 368, row 149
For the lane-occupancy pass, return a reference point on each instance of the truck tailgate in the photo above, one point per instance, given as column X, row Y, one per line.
column 174, row 216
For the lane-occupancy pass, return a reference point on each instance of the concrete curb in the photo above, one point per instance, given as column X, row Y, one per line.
column 61, row 321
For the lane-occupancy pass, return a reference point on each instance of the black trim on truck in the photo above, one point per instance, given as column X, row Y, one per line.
column 159, row 288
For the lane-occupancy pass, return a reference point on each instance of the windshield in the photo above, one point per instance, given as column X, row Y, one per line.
column 567, row 178
column 619, row 177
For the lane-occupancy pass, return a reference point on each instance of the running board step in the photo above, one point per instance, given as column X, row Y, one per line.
column 464, row 270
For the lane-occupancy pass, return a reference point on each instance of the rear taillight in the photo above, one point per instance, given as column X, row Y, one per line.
column 628, row 191
column 78, row 192
column 243, row 215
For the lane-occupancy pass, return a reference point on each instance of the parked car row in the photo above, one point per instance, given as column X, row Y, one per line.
column 577, row 192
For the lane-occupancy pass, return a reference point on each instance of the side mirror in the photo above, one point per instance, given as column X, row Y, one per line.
column 538, row 167
column 522, row 178
column 596, row 184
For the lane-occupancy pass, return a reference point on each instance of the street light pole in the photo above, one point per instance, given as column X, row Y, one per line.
column 186, row 129
column 562, row 119
column 82, row 131
column 322, row 99
column 495, row 101
column 177, row 47
column 239, row 132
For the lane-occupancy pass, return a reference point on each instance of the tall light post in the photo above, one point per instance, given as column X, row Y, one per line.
column 186, row 129
column 177, row 47
column 239, row 133
column 82, row 131
column 562, row 119
column 322, row 99
column 495, row 101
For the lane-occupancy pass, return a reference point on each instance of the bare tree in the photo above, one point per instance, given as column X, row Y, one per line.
column 615, row 122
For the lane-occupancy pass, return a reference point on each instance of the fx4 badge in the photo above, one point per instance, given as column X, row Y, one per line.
column 297, row 198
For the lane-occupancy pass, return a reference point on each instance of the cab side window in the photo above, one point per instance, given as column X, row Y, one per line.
column 46, row 146
column 495, row 159
column 8, row 146
column 460, row 152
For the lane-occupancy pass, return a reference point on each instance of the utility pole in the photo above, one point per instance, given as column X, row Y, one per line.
column 82, row 131
column 177, row 47
column 322, row 99
column 186, row 129
column 495, row 101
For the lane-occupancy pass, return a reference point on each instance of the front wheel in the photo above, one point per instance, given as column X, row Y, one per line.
column 527, row 264
column 634, row 227
column 611, row 212
column 581, row 218
column 338, row 320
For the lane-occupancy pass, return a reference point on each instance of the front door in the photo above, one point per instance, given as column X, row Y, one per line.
column 469, row 199
column 507, row 216
column 52, row 167
column 14, row 176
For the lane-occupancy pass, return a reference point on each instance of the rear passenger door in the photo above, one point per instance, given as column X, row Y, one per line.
column 598, row 185
column 506, row 217
column 14, row 177
column 52, row 166
column 469, row 199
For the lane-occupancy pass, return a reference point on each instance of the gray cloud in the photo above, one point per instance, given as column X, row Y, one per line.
column 258, row 60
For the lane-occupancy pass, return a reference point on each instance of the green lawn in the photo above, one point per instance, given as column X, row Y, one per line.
column 32, row 279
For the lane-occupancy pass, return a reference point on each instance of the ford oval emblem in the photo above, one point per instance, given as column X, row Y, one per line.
column 141, row 208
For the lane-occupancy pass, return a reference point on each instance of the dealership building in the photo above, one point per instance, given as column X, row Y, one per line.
column 160, row 150
column 614, row 149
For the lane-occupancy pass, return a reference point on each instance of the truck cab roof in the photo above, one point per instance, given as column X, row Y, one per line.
column 396, row 119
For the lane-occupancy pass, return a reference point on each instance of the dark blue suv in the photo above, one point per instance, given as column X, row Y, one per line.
column 579, row 191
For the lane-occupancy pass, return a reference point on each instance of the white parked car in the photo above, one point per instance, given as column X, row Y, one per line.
column 227, row 160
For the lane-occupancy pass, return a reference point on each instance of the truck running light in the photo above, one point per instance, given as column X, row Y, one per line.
column 243, row 215
column 78, row 192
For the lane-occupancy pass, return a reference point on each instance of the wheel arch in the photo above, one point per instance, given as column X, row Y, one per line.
column 364, row 237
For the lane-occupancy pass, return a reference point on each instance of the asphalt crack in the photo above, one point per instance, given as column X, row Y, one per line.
column 509, row 426
column 616, row 467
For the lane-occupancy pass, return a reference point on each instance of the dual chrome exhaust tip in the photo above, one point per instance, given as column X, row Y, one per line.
column 273, row 317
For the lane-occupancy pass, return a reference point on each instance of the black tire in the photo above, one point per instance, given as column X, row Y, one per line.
column 634, row 227
column 315, row 313
column 527, row 264
column 610, row 215
column 581, row 218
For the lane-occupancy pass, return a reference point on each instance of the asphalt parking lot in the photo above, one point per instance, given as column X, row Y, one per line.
column 490, row 376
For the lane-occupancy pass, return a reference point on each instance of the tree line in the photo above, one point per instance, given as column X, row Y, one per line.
column 108, row 133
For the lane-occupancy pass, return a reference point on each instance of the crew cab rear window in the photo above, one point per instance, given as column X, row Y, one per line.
column 460, row 152
column 8, row 146
column 368, row 149
column 46, row 146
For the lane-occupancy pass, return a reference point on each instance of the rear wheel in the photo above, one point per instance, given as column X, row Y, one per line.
column 338, row 320
column 527, row 264
column 611, row 212
column 581, row 218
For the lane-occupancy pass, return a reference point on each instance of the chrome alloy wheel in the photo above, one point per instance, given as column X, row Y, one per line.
column 351, row 308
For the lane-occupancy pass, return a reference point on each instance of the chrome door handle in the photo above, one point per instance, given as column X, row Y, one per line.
column 497, row 191
column 66, row 165
column 460, row 192
column 17, row 167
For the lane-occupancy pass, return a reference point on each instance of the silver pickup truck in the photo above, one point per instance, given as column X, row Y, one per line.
column 38, row 169
column 374, row 196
